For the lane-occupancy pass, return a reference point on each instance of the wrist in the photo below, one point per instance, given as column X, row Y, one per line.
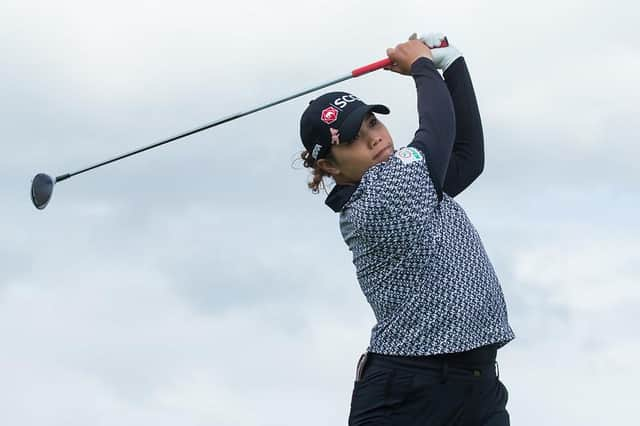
column 449, row 63
column 421, row 63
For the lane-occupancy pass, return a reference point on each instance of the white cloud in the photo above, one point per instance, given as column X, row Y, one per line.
column 583, row 273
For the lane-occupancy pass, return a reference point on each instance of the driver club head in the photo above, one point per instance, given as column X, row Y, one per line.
column 41, row 190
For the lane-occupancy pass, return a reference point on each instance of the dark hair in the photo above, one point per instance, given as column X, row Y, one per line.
column 317, row 174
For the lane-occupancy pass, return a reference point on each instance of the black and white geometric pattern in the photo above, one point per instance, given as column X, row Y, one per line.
column 421, row 264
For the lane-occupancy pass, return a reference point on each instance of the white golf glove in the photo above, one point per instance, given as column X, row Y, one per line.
column 442, row 57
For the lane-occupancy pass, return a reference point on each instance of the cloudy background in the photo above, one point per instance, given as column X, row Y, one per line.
column 202, row 283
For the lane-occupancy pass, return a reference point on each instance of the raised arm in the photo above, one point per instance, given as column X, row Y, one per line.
column 437, row 121
column 436, row 117
column 467, row 158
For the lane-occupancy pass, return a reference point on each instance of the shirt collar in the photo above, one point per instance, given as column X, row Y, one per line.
column 339, row 196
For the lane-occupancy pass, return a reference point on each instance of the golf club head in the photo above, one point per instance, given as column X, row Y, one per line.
column 41, row 190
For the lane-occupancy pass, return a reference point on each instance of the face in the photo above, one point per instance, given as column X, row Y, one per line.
column 372, row 145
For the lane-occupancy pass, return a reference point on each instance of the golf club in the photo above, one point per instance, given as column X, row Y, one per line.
column 42, row 184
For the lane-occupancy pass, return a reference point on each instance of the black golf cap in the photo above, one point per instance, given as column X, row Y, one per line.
column 333, row 118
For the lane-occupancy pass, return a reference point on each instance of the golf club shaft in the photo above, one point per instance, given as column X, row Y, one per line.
column 355, row 73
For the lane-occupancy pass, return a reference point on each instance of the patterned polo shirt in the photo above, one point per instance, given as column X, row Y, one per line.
column 420, row 263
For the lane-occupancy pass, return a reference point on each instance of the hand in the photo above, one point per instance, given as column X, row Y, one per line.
column 442, row 57
column 405, row 54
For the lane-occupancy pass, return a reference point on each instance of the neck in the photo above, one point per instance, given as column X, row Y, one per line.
column 342, row 181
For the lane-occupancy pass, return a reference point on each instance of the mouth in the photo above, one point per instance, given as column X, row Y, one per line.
column 380, row 155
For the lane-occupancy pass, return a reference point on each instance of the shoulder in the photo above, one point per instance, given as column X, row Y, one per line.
column 397, row 186
column 406, row 165
column 409, row 155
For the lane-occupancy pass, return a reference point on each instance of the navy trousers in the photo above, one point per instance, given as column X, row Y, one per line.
column 460, row 389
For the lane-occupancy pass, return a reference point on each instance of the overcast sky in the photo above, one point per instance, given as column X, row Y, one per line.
column 202, row 284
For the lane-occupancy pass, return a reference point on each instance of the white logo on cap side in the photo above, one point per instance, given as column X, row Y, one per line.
column 342, row 101
column 316, row 151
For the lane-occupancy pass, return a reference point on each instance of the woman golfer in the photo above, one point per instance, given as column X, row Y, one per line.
column 440, row 311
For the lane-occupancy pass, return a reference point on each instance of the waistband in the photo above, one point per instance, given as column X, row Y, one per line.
column 478, row 357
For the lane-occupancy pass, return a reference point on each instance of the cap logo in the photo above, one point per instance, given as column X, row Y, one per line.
column 343, row 101
column 335, row 136
column 329, row 115
column 316, row 151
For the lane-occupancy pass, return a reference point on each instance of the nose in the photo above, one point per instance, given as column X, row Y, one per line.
column 374, row 140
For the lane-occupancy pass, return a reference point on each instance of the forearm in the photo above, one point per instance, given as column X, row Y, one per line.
column 437, row 121
column 467, row 158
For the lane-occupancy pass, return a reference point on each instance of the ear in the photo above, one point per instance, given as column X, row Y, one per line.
column 328, row 166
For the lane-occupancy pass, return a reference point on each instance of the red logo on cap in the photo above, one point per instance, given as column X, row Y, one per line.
column 329, row 115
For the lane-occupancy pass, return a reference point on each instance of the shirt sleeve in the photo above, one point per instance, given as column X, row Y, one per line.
column 395, row 198
column 436, row 118
column 467, row 158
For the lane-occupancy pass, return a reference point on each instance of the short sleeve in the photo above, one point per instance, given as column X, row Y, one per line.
column 397, row 195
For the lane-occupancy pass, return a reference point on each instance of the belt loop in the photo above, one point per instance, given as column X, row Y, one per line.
column 445, row 371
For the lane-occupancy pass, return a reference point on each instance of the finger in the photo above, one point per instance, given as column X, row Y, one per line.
column 399, row 51
column 393, row 53
column 429, row 40
column 392, row 67
column 435, row 39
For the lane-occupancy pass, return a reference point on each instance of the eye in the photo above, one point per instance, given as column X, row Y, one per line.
column 373, row 121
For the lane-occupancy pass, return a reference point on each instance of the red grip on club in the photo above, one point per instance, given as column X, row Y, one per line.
column 371, row 67
column 384, row 63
